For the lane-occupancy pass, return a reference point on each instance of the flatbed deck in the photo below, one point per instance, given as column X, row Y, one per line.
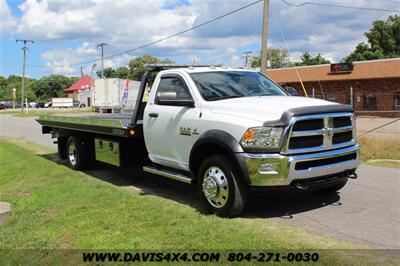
column 115, row 124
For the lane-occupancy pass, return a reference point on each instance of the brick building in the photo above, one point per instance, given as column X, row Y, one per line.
column 374, row 85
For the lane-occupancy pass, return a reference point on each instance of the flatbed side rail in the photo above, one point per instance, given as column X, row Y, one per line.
column 93, row 125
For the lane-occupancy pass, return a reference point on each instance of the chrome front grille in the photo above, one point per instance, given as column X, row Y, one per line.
column 321, row 132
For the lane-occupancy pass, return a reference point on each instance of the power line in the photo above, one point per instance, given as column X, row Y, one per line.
column 287, row 48
column 168, row 37
column 381, row 126
column 339, row 6
column 213, row 20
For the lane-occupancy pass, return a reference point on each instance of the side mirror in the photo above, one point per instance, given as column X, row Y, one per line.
column 171, row 98
column 167, row 95
column 292, row 91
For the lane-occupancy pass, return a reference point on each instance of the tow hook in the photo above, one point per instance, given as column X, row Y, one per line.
column 353, row 176
column 301, row 186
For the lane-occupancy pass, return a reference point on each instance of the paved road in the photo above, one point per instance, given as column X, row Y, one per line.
column 366, row 211
column 24, row 127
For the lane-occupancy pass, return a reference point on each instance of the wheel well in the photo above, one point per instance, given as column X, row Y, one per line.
column 202, row 152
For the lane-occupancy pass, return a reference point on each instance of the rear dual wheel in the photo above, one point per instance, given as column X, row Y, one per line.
column 79, row 152
column 221, row 188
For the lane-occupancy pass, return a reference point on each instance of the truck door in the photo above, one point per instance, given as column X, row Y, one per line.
column 167, row 124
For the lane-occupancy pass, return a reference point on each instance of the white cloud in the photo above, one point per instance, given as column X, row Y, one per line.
column 125, row 24
column 63, row 60
column 7, row 21
column 333, row 32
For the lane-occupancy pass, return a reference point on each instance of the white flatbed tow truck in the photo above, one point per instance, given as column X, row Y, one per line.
column 224, row 130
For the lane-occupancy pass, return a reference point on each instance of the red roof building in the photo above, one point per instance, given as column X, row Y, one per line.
column 85, row 82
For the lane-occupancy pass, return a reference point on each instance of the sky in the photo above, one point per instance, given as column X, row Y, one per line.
column 66, row 32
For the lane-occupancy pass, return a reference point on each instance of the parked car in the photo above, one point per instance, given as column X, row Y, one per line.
column 6, row 105
column 40, row 105
column 77, row 103
column 48, row 105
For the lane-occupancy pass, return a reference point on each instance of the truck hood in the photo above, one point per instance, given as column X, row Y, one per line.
column 262, row 108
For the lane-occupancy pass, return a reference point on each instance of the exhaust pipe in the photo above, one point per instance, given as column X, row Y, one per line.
column 301, row 185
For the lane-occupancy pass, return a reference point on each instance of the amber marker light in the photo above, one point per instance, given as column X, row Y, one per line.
column 131, row 132
column 248, row 135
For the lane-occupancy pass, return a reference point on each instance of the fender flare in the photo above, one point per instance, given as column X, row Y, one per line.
column 227, row 142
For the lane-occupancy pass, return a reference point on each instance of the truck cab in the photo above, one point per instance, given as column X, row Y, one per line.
column 230, row 130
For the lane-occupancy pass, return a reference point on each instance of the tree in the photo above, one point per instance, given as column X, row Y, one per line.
column 137, row 68
column 52, row 86
column 277, row 57
column 308, row 60
column 383, row 41
column 14, row 81
column 108, row 73
column 122, row 72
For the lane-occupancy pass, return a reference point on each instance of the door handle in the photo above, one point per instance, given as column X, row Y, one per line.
column 153, row 115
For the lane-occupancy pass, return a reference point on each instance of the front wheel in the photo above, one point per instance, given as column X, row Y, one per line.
column 221, row 188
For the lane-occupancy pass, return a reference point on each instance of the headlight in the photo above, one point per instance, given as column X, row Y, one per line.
column 262, row 138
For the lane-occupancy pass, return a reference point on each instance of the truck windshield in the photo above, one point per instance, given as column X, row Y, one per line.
column 220, row 85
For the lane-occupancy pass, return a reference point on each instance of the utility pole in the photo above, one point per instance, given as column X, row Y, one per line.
column 264, row 39
column 24, row 49
column 246, row 56
column 102, row 57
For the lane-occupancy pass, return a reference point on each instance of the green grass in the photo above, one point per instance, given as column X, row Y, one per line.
column 57, row 208
column 38, row 112
column 382, row 148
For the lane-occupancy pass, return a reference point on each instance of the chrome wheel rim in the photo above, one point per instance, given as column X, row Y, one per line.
column 215, row 187
column 72, row 153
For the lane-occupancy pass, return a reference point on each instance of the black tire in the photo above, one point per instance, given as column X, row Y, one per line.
column 62, row 148
column 334, row 188
column 235, row 200
column 77, row 153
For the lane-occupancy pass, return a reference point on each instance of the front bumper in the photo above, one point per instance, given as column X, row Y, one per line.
column 282, row 170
